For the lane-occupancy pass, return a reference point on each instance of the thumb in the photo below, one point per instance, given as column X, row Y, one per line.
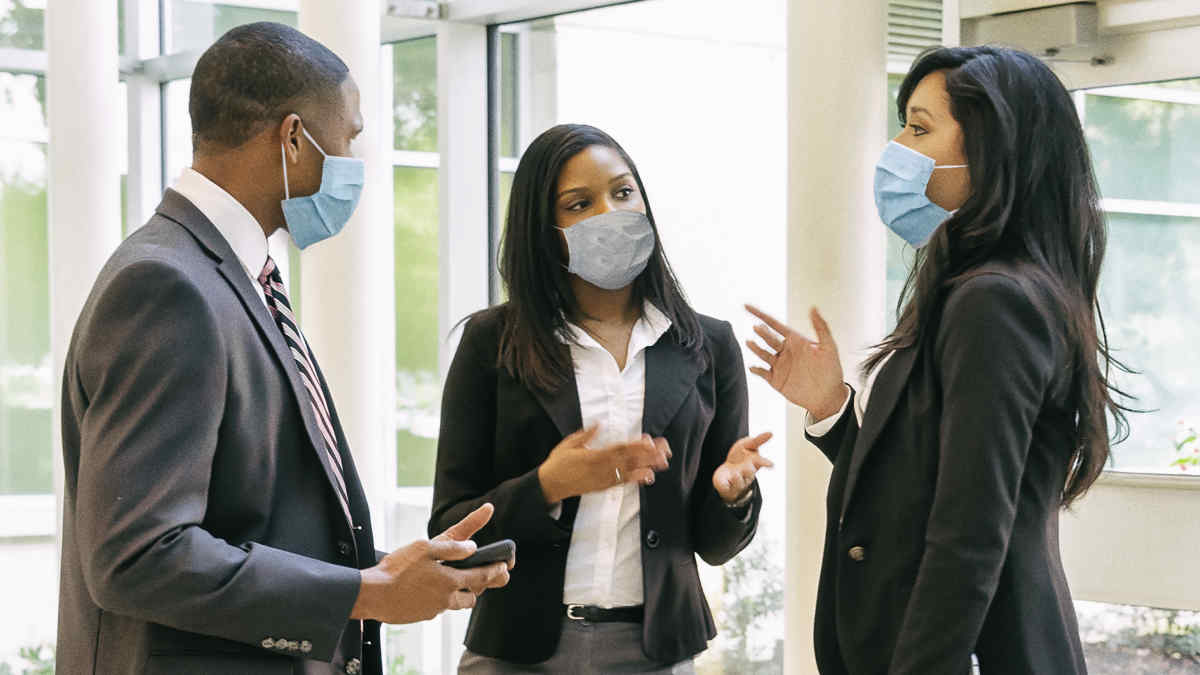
column 581, row 437
column 824, row 335
column 467, row 527
column 756, row 442
column 445, row 549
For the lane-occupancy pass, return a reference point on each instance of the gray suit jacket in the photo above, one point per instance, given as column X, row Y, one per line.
column 201, row 532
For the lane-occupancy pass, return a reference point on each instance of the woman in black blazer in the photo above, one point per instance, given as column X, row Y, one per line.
column 987, row 404
column 607, row 519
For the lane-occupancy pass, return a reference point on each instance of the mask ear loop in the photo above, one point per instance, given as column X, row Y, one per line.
column 951, row 166
column 283, row 158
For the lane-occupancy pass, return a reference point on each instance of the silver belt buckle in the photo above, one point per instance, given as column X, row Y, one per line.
column 571, row 612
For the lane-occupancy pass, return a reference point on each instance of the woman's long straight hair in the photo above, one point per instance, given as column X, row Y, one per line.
column 1034, row 203
column 533, row 266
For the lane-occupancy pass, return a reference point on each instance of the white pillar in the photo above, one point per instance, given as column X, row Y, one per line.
column 951, row 23
column 463, row 178
column 347, row 293
column 84, row 160
column 837, row 107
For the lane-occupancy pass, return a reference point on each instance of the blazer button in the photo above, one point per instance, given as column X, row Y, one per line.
column 343, row 549
column 858, row 554
column 652, row 539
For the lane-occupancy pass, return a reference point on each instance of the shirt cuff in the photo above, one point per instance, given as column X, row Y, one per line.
column 818, row 429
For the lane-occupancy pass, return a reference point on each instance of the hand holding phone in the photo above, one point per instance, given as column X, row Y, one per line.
column 500, row 551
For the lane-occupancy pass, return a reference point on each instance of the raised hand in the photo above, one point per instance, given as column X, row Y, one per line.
column 734, row 477
column 574, row 469
column 808, row 373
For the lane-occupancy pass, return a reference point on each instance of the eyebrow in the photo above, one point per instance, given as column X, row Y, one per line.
column 584, row 188
column 564, row 193
column 918, row 109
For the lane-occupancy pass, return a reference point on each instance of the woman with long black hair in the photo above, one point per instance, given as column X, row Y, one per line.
column 605, row 420
column 985, row 412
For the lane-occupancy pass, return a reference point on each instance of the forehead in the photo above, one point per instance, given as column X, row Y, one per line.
column 595, row 162
column 931, row 94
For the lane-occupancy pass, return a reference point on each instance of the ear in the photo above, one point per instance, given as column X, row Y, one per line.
column 290, row 130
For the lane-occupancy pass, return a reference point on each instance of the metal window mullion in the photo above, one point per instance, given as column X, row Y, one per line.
column 144, row 181
column 493, row 161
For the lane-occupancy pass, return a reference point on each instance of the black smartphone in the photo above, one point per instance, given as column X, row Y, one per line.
column 501, row 551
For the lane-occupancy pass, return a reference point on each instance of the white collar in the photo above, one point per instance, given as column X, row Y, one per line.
column 232, row 220
column 648, row 330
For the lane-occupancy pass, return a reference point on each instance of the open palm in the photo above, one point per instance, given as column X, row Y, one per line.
column 807, row 372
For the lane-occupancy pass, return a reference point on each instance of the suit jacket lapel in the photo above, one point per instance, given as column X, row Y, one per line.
column 884, row 396
column 562, row 406
column 176, row 207
column 670, row 376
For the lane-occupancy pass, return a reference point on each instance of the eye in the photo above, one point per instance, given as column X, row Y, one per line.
column 917, row 130
column 624, row 192
column 580, row 205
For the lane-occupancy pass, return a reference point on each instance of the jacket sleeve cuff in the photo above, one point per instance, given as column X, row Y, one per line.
column 817, row 429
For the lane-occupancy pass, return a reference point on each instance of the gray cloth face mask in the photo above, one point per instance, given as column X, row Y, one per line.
column 610, row 250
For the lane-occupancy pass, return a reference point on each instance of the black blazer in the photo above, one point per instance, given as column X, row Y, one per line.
column 201, row 531
column 942, row 530
column 495, row 433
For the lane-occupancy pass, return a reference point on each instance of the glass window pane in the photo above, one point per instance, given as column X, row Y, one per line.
column 508, row 97
column 1145, row 141
column 415, row 94
column 1150, row 289
column 1147, row 148
column 1129, row 640
column 177, row 131
column 26, row 383
column 22, row 25
column 195, row 24
column 686, row 51
column 418, row 386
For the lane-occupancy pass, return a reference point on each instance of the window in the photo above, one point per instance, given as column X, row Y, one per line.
column 418, row 382
column 21, row 24
column 1145, row 143
column 195, row 24
column 26, row 381
column 665, row 78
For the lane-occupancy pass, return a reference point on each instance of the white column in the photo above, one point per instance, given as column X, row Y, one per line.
column 462, row 180
column 347, row 297
column 84, row 160
column 837, row 111
column 951, row 23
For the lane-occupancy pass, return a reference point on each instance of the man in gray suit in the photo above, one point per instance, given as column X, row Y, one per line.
column 213, row 518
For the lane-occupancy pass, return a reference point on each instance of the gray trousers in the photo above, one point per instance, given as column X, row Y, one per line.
column 584, row 649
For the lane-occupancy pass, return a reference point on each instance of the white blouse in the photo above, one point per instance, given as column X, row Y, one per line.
column 604, row 562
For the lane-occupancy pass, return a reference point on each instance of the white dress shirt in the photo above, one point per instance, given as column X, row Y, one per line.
column 232, row 220
column 604, row 562
column 818, row 429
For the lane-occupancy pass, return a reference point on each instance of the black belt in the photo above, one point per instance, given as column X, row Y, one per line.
column 601, row 615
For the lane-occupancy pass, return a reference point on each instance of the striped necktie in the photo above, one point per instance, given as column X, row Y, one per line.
column 281, row 309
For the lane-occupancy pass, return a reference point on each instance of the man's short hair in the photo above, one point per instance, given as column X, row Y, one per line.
column 253, row 76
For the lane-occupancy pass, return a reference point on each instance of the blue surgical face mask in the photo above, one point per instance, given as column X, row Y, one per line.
column 901, row 177
column 610, row 250
column 323, row 214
